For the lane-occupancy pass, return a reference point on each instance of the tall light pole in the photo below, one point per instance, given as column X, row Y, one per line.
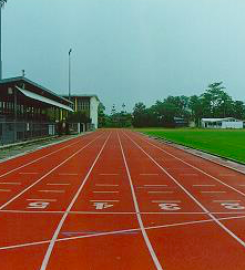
column 2, row 2
column 70, row 73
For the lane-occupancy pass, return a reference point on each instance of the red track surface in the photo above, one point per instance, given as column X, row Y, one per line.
column 118, row 200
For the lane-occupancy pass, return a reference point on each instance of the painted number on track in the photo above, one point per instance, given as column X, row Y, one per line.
column 100, row 206
column 38, row 205
column 169, row 206
column 233, row 206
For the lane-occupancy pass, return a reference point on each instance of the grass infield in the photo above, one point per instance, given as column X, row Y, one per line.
column 227, row 143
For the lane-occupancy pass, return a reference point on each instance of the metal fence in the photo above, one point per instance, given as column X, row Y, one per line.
column 11, row 132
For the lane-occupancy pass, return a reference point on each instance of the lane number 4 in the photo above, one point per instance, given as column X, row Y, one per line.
column 169, row 206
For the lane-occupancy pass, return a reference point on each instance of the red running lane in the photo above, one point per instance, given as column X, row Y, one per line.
column 203, row 239
column 19, row 162
column 18, row 180
column 124, row 203
column 105, row 200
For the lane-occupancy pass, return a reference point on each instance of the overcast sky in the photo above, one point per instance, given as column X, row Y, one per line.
column 127, row 50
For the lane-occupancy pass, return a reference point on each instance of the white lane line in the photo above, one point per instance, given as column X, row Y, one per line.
column 149, row 174
column 108, row 174
column 58, row 184
column 42, row 200
column 10, row 183
column 188, row 174
column 241, row 185
column 204, row 185
column 155, row 185
column 105, row 192
column 28, row 173
column 228, row 231
column 35, row 160
column 117, row 232
column 213, row 192
column 157, row 201
column 68, row 174
column 146, row 238
column 160, row 192
column 51, row 191
column 48, row 173
column 118, row 213
column 196, row 168
column 57, row 231
column 106, row 185
column 5, row 190
column 104, row 200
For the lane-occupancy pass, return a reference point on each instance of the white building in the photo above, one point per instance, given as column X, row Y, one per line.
column 228, row 122
column 89, row 104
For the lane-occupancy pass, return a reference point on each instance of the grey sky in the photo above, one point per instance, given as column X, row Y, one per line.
column 127, row 50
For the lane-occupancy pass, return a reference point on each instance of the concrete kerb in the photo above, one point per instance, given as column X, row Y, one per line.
column 59, row 140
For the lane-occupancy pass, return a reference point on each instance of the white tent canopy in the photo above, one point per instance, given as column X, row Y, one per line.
column 44, row 99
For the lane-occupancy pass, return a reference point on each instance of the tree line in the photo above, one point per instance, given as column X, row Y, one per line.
column 215, row 102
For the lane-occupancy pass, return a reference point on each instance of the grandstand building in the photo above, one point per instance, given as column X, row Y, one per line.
column 29, row 110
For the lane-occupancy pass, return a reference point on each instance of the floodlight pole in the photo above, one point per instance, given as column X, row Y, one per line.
column 2, row 2
column 70, row 73
column 1, row 41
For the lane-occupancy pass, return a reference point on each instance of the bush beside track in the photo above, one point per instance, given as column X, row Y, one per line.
column 225, row 143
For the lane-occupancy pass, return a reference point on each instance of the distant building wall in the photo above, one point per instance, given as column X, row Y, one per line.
column 94, row 107
column 236, row 125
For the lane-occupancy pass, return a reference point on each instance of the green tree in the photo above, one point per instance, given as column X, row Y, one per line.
column 139, row 115
column 212, row 98
column 101, row 115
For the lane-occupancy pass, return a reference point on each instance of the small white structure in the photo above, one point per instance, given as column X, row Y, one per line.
column 228, row 122
column 89, row 104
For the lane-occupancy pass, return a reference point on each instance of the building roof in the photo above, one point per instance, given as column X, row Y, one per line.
column 83, row 96
column 36, row 88
column 43, row 99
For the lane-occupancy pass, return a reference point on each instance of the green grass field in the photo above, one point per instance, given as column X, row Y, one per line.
column 227, row 143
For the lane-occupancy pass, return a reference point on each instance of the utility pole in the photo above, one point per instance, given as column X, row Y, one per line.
column 2, row 2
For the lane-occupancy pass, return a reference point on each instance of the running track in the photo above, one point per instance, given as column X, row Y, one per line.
column 116, row 200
